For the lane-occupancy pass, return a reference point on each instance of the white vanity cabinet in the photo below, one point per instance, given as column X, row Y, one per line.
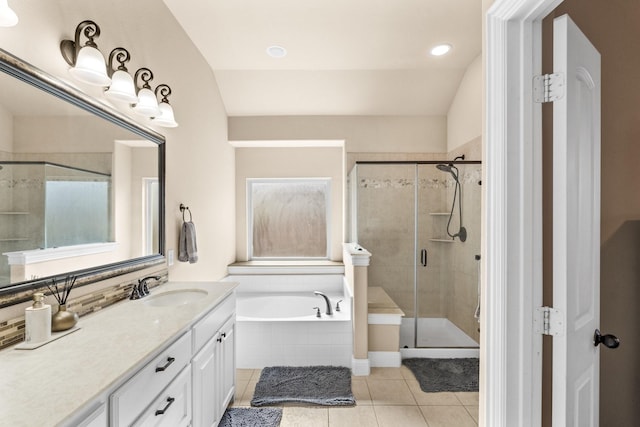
column 213, row 366
column 130, row 400
column 177, row 389
column 152, row 362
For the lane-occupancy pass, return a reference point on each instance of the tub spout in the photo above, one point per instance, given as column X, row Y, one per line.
column 327, row 301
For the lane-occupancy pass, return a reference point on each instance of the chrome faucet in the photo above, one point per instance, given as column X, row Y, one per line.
column 141, row 290
column 327, row 301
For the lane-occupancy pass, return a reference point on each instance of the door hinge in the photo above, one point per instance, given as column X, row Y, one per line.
column 548, row 321
column 548, row 87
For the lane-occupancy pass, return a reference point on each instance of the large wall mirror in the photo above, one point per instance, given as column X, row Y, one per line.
column 81, row 184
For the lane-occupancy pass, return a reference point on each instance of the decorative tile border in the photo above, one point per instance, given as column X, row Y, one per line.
column 12, row 330
column 468, row 176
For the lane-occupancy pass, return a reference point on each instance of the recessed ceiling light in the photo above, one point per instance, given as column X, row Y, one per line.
column 276, row 51
column 440, row 50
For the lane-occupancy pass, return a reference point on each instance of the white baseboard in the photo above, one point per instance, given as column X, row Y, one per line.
column 439, row 353
column 385, row 359
column 360, row 367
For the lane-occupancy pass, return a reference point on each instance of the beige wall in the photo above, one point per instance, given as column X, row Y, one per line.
column 64, row 134
column 6, row 132
column 379, row 134
column 464, row 119
column 613, row 29
column 200, row 164
column 290, row 163
column 122, row 179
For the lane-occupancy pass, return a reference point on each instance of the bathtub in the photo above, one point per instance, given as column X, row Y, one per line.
column 288, row 307
column 276, row 322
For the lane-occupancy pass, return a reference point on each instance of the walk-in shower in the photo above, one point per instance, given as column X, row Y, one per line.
column 405, row 214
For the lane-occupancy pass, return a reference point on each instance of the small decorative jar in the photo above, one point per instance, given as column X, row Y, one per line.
column 63, row 319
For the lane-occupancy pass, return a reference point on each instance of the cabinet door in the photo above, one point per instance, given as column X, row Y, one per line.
column 227, row 363
column 204, row 366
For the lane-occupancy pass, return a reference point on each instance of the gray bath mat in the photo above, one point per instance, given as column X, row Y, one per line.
column 319, row 385
column 251, row 417
column 436, row 375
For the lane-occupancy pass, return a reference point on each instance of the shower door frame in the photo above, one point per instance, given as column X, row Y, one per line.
column 416, row 240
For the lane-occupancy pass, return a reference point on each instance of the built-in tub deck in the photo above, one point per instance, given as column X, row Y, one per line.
column 276, row 321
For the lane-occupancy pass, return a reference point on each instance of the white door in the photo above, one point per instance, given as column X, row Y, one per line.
column 576, row 227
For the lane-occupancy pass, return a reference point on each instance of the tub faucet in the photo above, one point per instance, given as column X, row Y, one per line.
column 327, row 301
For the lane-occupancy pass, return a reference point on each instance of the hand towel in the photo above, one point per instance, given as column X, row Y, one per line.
column 187, row 247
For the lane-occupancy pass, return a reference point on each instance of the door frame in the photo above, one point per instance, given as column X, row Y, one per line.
column 511, row 371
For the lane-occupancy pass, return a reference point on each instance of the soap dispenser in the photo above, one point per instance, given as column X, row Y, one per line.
column 37, row 319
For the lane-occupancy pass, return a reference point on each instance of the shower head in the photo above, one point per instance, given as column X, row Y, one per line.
column 449, row 168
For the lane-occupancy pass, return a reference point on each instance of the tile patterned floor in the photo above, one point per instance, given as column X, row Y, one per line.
column 388, row 397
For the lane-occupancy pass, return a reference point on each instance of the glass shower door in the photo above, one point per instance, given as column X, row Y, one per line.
column 434, row 247
column 386, row 215
column 447, row 283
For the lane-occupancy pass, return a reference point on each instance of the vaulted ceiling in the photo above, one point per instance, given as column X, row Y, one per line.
column 346, row 57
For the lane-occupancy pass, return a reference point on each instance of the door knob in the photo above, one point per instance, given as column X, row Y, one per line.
column 609, row 341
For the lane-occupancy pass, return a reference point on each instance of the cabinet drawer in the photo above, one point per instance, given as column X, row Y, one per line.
column 135, row 395
column 206, row 328
column 172, row 408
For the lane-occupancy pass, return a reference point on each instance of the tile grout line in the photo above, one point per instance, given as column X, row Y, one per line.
column 470, row 414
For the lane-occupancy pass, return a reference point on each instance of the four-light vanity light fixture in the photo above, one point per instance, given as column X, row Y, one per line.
column 89, row 66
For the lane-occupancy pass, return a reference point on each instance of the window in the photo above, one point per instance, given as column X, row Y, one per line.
column 288, row 218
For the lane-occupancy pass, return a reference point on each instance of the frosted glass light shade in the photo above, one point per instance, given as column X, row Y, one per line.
column 147, row 103
column 8, row 17
column 90, row 67
column 122, row 88
column 165, row 118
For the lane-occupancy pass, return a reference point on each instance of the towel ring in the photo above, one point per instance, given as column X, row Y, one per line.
column 185, row 208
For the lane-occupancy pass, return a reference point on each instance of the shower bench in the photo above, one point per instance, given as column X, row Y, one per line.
column 384, row 319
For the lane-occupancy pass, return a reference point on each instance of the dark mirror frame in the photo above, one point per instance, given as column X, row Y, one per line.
column 14, row 66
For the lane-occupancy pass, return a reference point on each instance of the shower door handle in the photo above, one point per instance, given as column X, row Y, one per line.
column 423, row 257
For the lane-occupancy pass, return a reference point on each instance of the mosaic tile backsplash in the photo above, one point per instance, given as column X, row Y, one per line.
column 12, row 330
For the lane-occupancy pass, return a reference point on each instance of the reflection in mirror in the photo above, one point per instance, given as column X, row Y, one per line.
column 76, row 191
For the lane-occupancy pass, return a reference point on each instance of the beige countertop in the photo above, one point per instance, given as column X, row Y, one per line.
column 45, row 386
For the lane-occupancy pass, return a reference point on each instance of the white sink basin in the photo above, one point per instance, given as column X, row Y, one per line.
column 175, row 298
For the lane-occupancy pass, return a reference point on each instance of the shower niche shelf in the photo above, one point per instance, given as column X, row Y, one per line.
column 442, row 240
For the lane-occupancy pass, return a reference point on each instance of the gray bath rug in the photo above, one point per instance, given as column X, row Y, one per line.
column 251, row 417
column 436, row 375
column 319, row 385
